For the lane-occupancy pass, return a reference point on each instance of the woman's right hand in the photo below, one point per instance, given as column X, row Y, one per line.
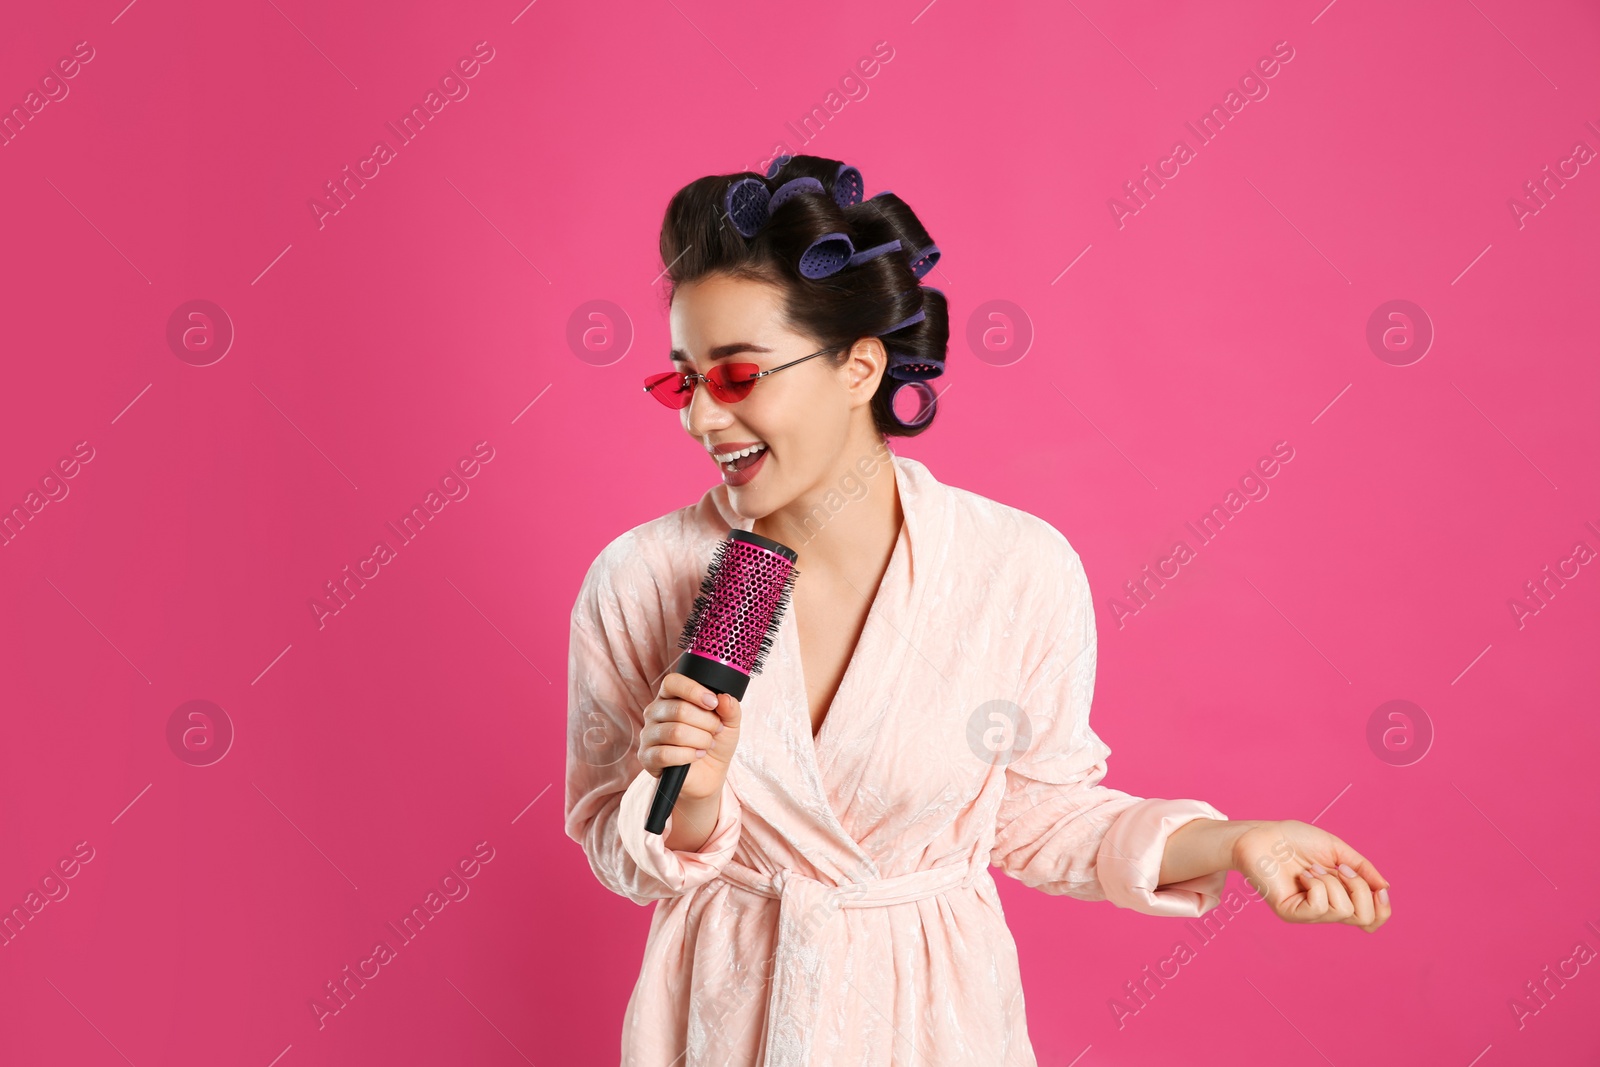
column 678, row 723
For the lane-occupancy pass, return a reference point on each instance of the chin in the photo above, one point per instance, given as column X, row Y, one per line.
column 749, row 502
column 756, row 503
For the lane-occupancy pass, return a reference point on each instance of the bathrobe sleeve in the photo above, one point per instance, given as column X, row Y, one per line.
column 617, row 655
column 1058, row 829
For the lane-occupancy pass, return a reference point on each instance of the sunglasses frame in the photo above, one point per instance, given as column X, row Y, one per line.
column 693, row 380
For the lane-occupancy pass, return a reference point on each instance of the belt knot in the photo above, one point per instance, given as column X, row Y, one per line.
column 807, row 934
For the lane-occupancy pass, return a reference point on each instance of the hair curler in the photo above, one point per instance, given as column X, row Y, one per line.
column 730, row 629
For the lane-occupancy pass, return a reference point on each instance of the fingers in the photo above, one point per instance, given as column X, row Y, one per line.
column 1367, row 888
column 1360, row 893
column 668, row 740
column 660, row 757
column 670, row 711
column 676, row 732
column 1311, row 904
column 729, row 711
column 1340, row 906
column 1380, row 907
column 723, row 709
column 677, row 729
column 683, row 687
column 1349, row 890
column 1363, row 867
column 1326, row 899
column 1339, row 895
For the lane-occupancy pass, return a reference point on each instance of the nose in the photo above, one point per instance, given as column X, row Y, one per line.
column 704, row 413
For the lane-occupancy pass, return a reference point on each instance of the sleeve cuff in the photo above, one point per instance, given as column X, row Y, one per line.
column 1129, row 860
column 679, row 870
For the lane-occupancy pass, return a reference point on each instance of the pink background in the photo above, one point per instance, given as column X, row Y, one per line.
column 374, row 351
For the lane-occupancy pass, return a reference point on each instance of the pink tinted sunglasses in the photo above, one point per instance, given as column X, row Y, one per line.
column 728, row 382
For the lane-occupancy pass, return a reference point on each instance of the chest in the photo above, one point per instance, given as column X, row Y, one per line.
column 828, row 622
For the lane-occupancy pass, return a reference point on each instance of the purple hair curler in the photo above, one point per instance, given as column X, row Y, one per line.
column 922, row 262
column 789, row 188
column 910, row 368
column 847, row 186
column 745, row 204
column 832, row 252
column 929, row 400
column 748, row 205
column 730, row 630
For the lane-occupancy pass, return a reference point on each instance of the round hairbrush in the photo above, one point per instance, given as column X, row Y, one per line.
column 730, row 630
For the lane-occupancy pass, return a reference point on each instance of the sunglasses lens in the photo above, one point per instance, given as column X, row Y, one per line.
column 732, row 382
column 728, row 382
column 667, row 387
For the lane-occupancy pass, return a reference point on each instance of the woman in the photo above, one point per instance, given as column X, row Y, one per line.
column 823, row 883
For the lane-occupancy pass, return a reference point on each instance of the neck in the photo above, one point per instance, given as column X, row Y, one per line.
column 852, row 514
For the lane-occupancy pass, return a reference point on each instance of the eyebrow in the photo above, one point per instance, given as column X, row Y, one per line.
column 721, row 351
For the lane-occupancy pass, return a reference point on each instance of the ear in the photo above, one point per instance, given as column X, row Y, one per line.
column 864, row 368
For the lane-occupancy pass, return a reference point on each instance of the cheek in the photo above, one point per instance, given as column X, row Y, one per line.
column 769, row 416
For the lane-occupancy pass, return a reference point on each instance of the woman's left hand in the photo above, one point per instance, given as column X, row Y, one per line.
column 1308, row 875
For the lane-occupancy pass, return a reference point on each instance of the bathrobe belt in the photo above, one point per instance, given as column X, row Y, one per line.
column 807, row 926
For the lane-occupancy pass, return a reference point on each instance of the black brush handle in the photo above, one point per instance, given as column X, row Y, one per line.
column 667, row 788
column 718, row 678
column 730, row 598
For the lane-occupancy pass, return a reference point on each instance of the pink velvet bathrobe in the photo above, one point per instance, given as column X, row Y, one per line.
column 842, row 913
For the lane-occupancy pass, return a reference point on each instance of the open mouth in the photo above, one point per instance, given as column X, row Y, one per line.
column 742, row 466
column 744, row 459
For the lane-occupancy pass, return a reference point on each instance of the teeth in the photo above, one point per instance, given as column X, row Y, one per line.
column 729, row 457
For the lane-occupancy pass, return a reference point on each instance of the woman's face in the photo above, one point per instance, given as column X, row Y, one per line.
column 813, row 418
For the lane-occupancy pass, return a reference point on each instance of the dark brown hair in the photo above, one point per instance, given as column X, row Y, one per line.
column 698, row 239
